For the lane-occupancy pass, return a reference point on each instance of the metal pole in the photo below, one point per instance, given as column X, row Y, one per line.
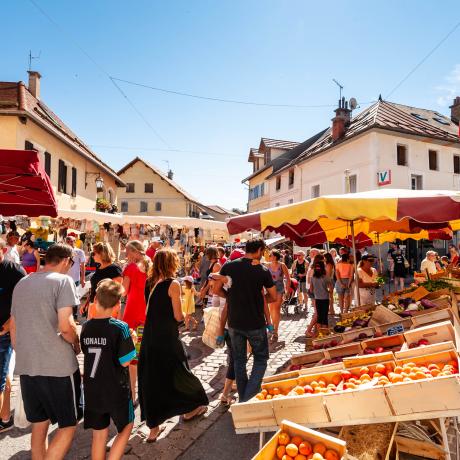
column 352, row 227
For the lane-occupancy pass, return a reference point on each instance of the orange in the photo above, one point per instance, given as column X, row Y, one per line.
column 336, row 379
column 297, row 440
column 364, row 370
column 276, row 391
column 398, row 369
column 280, row 451
column 396, row 378
column 433, row 366
column 292, row 450
column 365, row 377
column 410, row 365
column 380, row 368
column 314, row 384
column 322, row 382
column 283, row 439
column 300, row 457
column 331, row 455
column 299, row 390
column 319, row 448
column 305, row 448
column 287, row 457
column 377, row 375
column 317, row 456
column 260, row 396
column 419, row 375
column 264, row 392
column 269, row 397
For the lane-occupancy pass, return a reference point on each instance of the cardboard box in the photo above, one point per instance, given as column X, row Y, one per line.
column 268, row 452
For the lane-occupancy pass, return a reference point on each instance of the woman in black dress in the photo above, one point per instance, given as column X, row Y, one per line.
column 167, row 387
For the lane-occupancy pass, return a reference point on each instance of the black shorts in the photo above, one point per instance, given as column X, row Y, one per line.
column 52, row 398
column 121, row 415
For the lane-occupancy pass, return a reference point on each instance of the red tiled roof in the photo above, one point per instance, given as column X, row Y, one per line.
column 15, row 99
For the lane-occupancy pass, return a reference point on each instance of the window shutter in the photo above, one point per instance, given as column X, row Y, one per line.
column 74, row 181
column 48, row 163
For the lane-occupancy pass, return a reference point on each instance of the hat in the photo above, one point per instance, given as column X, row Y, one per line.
column 188, row 278
column 72, row 234
column 236, row 254
column 368, row 257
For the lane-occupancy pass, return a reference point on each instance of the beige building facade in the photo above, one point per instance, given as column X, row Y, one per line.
column 27, row 123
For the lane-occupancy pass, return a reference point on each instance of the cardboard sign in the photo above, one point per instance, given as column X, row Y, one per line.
column 397, row 329
column 384, row 177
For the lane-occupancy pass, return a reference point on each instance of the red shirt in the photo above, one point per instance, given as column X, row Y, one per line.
column 222, row 260
column 151, row 252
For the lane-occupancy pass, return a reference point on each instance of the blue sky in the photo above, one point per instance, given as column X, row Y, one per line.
column 280, row 52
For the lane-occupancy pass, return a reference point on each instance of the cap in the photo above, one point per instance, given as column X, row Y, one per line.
column 188, row 278
column 368, row 257
column 237, row 254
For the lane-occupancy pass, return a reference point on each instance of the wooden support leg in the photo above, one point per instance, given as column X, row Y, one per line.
column 445, row 439
column 261, row 439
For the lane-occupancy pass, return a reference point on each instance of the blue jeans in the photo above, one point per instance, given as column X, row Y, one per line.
column 5, row 355
column 257, row 338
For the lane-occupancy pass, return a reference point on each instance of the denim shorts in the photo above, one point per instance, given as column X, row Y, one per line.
column 340, row 289
column 6, row 351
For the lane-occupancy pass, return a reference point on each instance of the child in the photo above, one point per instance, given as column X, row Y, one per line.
column 188, row 302
column 108, row 348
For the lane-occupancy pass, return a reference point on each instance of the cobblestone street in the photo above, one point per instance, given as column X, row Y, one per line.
column 210, row 366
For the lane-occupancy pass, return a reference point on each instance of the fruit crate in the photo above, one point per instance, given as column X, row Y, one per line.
column 353, row 335
column 436, row 294
column 268, row 451
column 282, row 376
column 304, row 409
column 426, row 395
column 253, row 414
column 423, row 351
column 350, row 349
column 431, row 317
column 388, row 343
column 383, row 315
column 431, row 334
column 310, row 357
column 319, row 343
column 355, row 311
column 366, row 360
column 321, row 367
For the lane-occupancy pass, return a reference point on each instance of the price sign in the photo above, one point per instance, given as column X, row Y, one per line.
column 397, row 329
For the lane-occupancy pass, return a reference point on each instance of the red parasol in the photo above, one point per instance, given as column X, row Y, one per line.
column 25, row 188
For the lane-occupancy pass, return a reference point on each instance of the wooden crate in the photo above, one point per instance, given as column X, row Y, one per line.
column 406, row 323
column 432, row 317
column 434, row 333
column 355, row 311
column 268, row 452
column 308, row 358
column 327, row 339
column 350, row 336
column 349, row 349
column 359, row 404
column 305, row 409
column 281, row 376
column 435, row 294
column 383, row 315
column 423, row 351
column 389, row 342
column 320, row 367
column 422, row 449
column 253, row 414
column 366, row 360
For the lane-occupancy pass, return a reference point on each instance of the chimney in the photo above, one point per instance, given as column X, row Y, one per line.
column 341, row 120
column 455, row 111
column 34, row 83
column 170, row 174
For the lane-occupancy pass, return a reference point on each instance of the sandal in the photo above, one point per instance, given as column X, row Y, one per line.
column 161, row 428
column 197, row 413
column 227, row 400
column 274, row 338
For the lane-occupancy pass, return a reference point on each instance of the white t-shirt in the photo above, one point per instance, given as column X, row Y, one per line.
column 79, row 258
column 12, row 254
column 428, row 265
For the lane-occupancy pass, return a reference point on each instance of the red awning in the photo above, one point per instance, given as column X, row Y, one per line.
column 25, row 188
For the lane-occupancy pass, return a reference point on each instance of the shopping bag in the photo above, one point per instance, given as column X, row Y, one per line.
column 20, row 419
column 211, row 318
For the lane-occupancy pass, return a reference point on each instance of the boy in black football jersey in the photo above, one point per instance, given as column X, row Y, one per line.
column 108, row 348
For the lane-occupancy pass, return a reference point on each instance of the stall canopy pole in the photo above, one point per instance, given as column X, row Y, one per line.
column 380, row 254
column 352, row 228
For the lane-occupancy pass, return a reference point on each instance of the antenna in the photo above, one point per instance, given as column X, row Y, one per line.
column 340, row 87
column 31, row 58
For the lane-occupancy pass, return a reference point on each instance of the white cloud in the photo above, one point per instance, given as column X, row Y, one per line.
column 451, row 88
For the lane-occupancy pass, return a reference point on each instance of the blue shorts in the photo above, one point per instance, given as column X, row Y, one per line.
column 340, row 289
column 6, row 351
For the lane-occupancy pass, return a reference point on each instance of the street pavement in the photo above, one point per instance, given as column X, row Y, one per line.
column 212, row 436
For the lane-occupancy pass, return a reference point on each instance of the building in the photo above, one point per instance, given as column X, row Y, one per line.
column 26, row 122
column 386, row 145
column 151, row 192
column 217, row 212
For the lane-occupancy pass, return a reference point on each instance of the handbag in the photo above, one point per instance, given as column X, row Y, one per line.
column 20, row 418
column 406, row 263
column 211, row 316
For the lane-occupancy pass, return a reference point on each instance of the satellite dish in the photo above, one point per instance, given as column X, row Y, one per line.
column 353, row 103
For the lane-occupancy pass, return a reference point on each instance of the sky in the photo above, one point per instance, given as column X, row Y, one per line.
column 265, row 51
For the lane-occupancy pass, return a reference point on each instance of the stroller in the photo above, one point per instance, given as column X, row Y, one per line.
column 291, row 299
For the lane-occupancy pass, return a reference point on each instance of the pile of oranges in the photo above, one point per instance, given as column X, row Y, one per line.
column 296, row 448
column 374, row 375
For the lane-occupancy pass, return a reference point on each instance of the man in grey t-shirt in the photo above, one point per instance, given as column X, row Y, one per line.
column 44, row 335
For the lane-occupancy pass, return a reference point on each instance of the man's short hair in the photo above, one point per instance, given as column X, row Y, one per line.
column 431, row 253
column 108, row 293
column 12, row 233
column 57, row 253
column 252, row 246
column 70, row 238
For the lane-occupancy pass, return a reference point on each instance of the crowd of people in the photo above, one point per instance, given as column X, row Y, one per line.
column 132, row 321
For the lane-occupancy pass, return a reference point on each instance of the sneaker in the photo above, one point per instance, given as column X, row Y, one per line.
column 5, row 426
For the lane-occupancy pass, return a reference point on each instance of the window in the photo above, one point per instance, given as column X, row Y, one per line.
column 433, row 160
column 416, row 182
column 74, row 181
column 290, row 201
column 129, row 187
column 352, row 184
column 143, row 206
column 48, row 163
column 278, row 183
column 442, row 121
column 401, row 152
column 158, row 206
column 315, row 192
column 148, row 188
column 419, row 117
column 28, row 145
column 262, row 189
column 62, row 177
column 291, row 178
column 110, row 196
column 456, row 164
column 124, row 206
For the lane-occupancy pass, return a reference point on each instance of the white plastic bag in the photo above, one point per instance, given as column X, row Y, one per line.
column 211, row 318
column 20, row 419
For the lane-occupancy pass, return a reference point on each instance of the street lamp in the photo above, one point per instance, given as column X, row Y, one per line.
column 99, row 180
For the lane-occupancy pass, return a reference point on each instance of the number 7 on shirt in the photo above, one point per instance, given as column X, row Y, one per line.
column 97, row 352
